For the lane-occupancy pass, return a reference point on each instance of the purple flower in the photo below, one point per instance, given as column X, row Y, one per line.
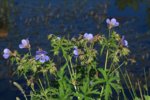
column 124, row 42
column 41, row 56
column 24, row 44
column 7, row 53
column 112, row 23
column 88, row 36
column 75, row 51
column 58, row 38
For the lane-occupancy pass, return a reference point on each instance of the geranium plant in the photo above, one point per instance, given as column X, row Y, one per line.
column 80, row 68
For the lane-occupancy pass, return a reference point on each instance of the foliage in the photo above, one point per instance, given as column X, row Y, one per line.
column 84, row 68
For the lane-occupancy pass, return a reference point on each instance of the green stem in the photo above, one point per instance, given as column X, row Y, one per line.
column 70, row 72
column 71, row 66
column 106, row 60
column 112, row 62
column 47, row 79
column 140, row 90
column 73, row 72
column 68, row 67
column 101, row 92
column 30, row 51
column 43, row 89
column 109, row 33
column 126, row 83
column 146, row 82
column 116, row 68
column 133, row 90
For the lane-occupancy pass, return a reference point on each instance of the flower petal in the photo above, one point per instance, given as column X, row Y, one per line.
column 41, row 52
column 6, row 55
column 75, row 52
column 85, row 35
column 25, row 42
column 42, row 60
column 46, row 58
column 21, row 46
column 90, row 36
column 108, row 21
column 37, row 57
column 58, row 38
column 116, row 24
column 126, row 43
column 113, row 21
column 6, row 50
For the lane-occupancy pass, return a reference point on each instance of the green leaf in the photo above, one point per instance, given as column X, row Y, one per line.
column 116, row 87
column 113, row 78
column 136, row 98
column 99, row 80
column 108, row 92
column 147, row 97
column 103, row 72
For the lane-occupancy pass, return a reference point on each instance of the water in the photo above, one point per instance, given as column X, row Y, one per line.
column 37, row 19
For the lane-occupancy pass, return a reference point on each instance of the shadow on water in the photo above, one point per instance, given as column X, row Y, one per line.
column 36, row 19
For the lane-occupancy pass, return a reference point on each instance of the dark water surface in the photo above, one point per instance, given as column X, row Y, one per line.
column 36, row 19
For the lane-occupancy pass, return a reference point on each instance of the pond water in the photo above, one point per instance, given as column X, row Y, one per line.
column 36, row 19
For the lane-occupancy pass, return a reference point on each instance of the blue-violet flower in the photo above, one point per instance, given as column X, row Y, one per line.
column 58, row 38
column 124, row 42
column 112, row 23
column 88, row 36
column 7, row 53
column 24, row 44
column 41, row 56
column 75, row 51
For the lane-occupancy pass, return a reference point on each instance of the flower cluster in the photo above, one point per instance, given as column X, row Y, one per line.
column 40, row 54
column 112, row 23
column 81, row 62
column 88, row 36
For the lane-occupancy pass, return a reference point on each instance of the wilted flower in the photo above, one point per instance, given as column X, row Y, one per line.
column 7, row 53
column 41, row 56
column 124, row 42
column 88, row 36
column 112, row 23
column 24, row 44
column 75, row 51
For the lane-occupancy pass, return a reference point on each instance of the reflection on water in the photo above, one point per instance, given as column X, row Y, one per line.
column 37, row 18
column 4, row 18
column 122, row 4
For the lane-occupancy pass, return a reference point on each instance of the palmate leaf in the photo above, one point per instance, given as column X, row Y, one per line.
column 116, row 87
column 93, row 92
column 113, row 78
column 98, row 81
column 84, row 88
column 79, row 95
column 61, row 72
column 64, row 89
column 103, row 72
column 109, row 82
